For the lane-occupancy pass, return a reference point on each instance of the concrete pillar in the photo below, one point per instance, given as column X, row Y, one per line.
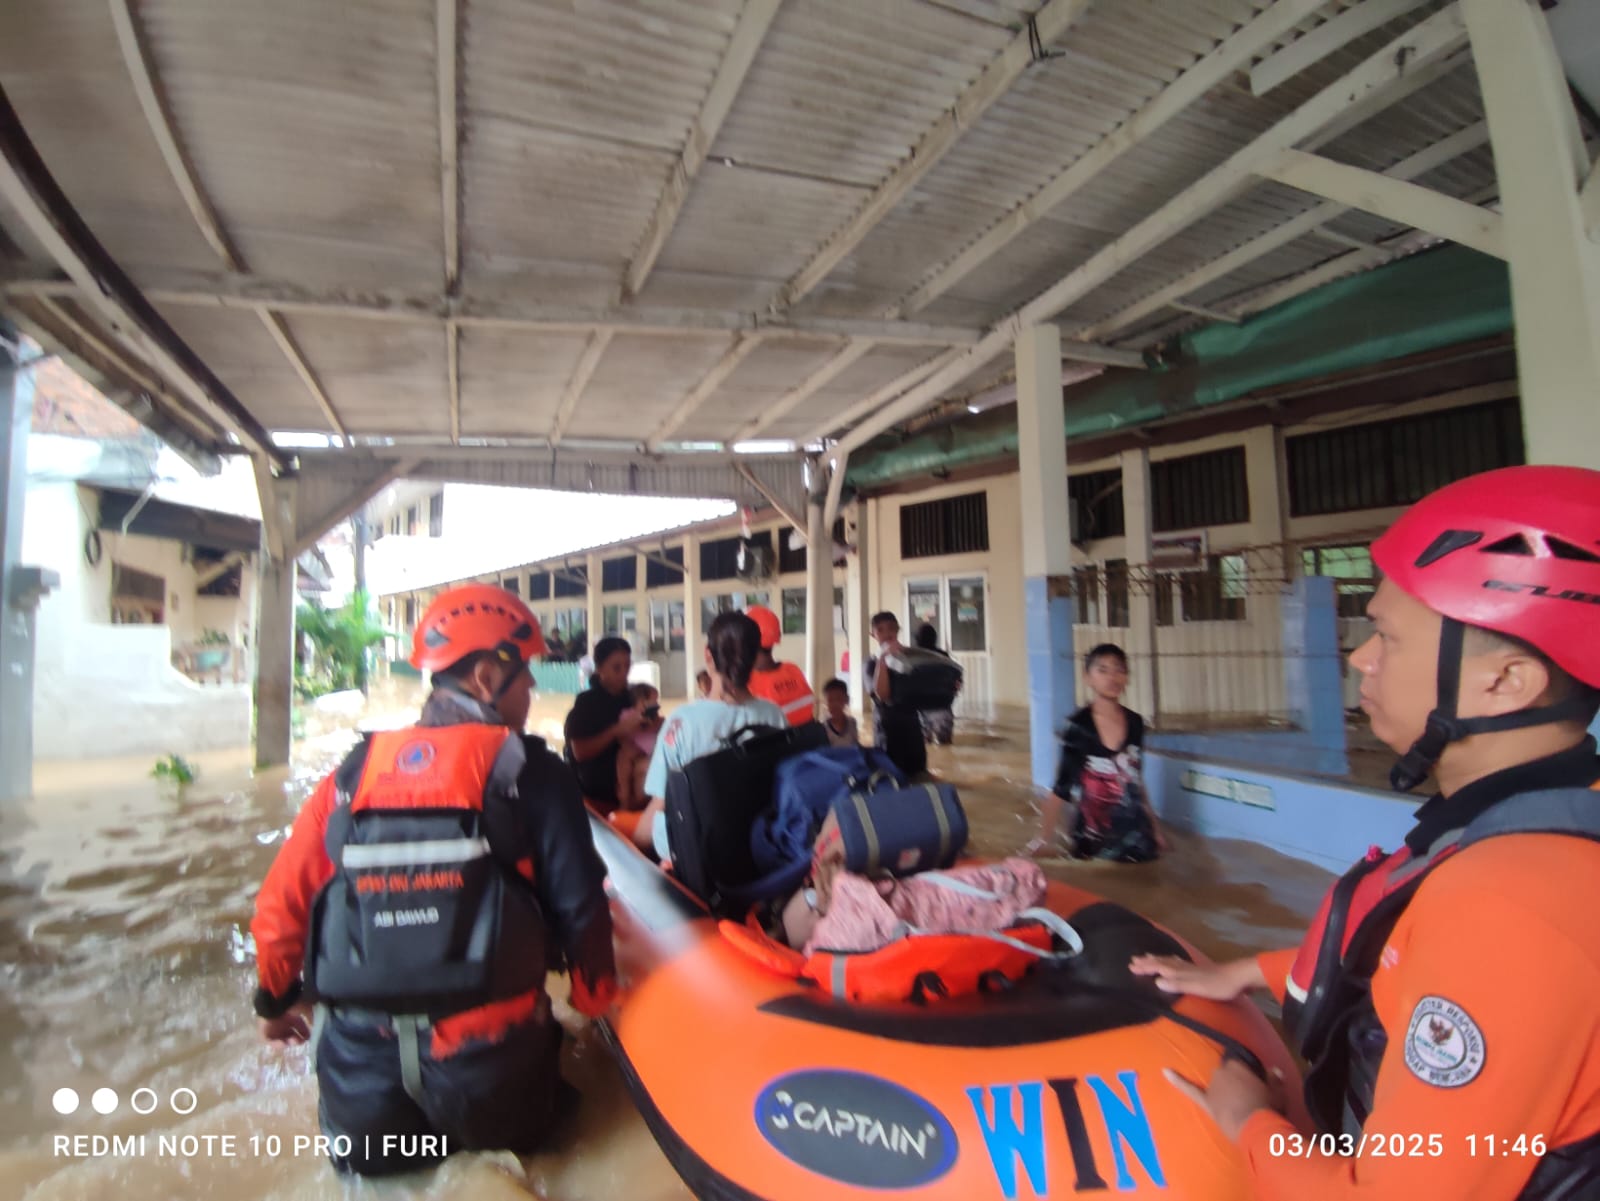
column 857, row 603
column 819, row 593
column 1136, row 517
column 276, row 595
column 1046, row 544
column 693, row 637
column 23, row 587
column 593, row 599
column 1555, row 266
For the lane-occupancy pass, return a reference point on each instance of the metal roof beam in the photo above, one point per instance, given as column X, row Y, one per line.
column 1317, row 44
column 158, row 116
column 452, row 376
column 783, row 510
column 754, row 20
column 204, row 289
column 869, row 404
column 1194, row 83
column 30, row 189
column 996, row 79
column 1400, row 68
column 1421, row 163
column 448, row 18
column 1393, row 199
column 803, row 391
column 588, row 361
column 701, row 392
column 1590, row 200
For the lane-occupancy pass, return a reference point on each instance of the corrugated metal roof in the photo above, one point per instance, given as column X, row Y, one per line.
column 313, row 130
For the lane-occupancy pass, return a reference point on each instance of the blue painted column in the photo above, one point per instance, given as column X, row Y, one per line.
column 1046, row 544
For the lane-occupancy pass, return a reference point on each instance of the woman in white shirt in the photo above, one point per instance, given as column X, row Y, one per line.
column 703, row 727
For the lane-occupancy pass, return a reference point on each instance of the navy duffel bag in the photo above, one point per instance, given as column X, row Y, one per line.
column 901, row 831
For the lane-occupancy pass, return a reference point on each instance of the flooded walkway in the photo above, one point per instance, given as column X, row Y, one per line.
column 124, row 915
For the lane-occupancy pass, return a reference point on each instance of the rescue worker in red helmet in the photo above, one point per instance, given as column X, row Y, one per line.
column 1445, row 995
column 427, row 888
column 784, row 684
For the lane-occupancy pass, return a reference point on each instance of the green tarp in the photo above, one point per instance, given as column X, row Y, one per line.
column 1432, row 300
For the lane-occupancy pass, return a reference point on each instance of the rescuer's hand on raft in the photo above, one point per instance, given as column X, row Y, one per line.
column 1235, row 1092
column 1211, row 981
column 291, row 1028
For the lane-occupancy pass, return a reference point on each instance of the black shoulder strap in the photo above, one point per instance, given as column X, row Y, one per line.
column 1571, row 811
column 347, row 776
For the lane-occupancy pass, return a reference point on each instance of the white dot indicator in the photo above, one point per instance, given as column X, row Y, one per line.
column 144, row 1100
column 104, row 1101
column 65, row 1101
column 183, row 1092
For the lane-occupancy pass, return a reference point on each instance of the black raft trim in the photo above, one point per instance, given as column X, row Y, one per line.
column 704, row 1181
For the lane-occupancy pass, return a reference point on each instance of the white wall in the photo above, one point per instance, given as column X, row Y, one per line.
column 103, row 689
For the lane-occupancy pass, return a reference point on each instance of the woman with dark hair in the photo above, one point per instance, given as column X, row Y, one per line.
column 601, row 717
column 703, row 727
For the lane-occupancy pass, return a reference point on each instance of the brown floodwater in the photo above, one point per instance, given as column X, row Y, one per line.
column 126, row 966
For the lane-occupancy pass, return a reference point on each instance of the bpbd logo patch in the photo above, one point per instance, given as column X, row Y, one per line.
column 415, row 757
column 856, row 1129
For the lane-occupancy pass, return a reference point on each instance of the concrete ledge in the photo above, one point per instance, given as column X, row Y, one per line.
column 1325, row 822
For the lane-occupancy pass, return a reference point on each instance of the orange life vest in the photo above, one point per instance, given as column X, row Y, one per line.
column 426, row 911
column 917, row 967
column 786, row 686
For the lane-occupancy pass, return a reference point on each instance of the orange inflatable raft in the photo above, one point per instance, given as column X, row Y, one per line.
column 759, row 1086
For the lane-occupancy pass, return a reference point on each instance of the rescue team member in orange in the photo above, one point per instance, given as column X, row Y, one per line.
column 1445, row 996
column 416, row 899
column 784, row 684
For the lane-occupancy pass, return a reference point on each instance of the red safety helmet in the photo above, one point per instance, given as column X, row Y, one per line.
column 767, row 622
column 475, row 617
column 1516, row 551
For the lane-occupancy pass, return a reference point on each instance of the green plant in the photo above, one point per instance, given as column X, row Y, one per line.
column 340, row 639
column 175, row 768
column 214, row 638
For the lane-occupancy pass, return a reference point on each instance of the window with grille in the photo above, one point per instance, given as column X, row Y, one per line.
column 411, row 520
column 719, row 559
column 539, row 585
column 657, row 574
column 620, row 574
column 1097, row 496
column 1086, row 592
column 1218, row 592
column 411, row 611
column 1387, row 464
column 956, row 525
column 1116, row 573
column 791, row 559
column 512, row 584
column 1196, row 491
column 1355, row 579
column 794, row 610
column 567, row 583
column 436, row 515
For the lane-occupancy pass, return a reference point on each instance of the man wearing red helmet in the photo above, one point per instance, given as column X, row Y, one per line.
column 784, row 684
column 427, row 888
column 1445, row 995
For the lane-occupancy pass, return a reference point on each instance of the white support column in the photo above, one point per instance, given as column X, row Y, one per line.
column 1263, row 644
column 1555, row 268
column 276, row 596
column 592, row 599
column 693, row 636
column 819, row 592
column 1046, row 542
column 1136, row 513
column 857, row 601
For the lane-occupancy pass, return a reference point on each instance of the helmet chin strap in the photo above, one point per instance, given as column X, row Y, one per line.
column 1444, row 727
